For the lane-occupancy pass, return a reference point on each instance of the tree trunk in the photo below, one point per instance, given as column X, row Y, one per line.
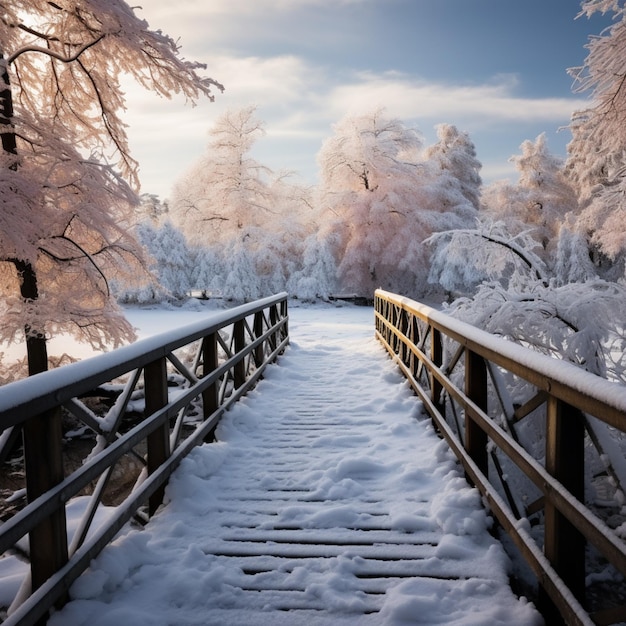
column 9, row 143
column 35, row 339
column 42, row 434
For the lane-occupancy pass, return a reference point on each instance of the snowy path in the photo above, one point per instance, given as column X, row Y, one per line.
column 328, row 500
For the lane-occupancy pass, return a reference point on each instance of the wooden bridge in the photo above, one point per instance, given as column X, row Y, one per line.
column 298, row 518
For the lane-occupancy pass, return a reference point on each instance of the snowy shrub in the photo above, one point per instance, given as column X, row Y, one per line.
column 462, row 259
column 578, row 322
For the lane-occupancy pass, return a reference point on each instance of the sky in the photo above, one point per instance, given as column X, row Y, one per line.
column 494, row 68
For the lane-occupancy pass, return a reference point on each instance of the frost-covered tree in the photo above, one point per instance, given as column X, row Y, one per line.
column 172, row 260
column 169, row 264
column 281, row 241
column 603, row 75
column 455, row 154
column 65, row 204
column 364, row 167
column 317, row 275
column 225, row 193
column 151, row 208
column 250, row 222
column 205, row 270
column 266, row 255
column 381, row 201
column 597, row 153
column 303, row 251
column 463, row 259
column 539, row 201
column 573, row 263
column 227, row 204
column 240, row 281
column 548, row 194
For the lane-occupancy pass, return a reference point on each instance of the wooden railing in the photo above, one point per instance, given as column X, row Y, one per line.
column 482, row 392
column 228, row 353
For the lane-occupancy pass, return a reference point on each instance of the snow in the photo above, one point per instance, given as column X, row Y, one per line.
column 331, row 445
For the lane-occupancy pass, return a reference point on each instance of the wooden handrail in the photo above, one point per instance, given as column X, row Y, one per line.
column 232, row 349
column 486, row 438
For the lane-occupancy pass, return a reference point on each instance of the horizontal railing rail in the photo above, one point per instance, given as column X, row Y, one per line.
column 486, row 397
column 155, row 400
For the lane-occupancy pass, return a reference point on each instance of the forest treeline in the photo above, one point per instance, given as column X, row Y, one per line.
column 388, row 212
column 539, row 260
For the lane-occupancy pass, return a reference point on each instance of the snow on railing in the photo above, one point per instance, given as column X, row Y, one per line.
column 148, row 404
column 528, row 430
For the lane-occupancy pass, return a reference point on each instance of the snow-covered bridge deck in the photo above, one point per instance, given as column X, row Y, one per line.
column 328, row 499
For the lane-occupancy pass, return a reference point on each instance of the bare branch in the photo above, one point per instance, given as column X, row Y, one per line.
column 84, row 254
column 52, row 53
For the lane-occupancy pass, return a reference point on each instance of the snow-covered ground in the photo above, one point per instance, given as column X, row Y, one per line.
column 367, row 459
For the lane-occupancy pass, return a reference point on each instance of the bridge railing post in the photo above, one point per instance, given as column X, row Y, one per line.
column 436, row 356
column 284, row 313
column 275, row 337
column 476, row 390
column 259, row 352
column 378, row 308
column 403, row 326
column 564, row 546
column 414, row 335
column 43, row 465
column 210, row 396
column 158, row 442
column 394, row 318
column 239, row 343
column 387, row 310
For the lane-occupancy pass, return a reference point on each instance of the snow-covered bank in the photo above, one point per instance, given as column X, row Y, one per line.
column 367, row 461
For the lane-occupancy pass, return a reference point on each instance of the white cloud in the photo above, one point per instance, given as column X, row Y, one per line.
column 492, row 171
column 274, row 81
column 411, row 97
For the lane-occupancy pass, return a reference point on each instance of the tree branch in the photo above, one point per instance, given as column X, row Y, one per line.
column 515, row 250
column 52, row 53
column 85, row 255
column 509, row 246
